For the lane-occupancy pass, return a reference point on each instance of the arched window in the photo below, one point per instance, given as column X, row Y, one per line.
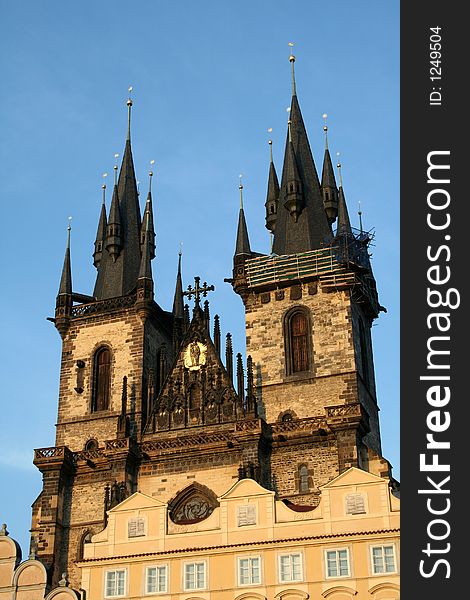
column 303, row 479
column 101, row 379
column 297, row 338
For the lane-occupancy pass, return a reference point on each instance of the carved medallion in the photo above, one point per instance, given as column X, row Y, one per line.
column 195, row 355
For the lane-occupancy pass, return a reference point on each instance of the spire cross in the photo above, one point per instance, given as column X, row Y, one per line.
column 339, row 171
column 325, row 129
column 103, row 187
column 292, row 61
column 116, row 156
column 198, row 291
column 129, row 105
column 240, row 187
column 359, row 212
column 152, row 162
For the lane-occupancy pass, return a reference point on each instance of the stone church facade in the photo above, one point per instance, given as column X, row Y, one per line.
column 152, row 401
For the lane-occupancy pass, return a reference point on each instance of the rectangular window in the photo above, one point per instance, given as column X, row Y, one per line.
column 337, row 563
column 157, row 579
column 115, row 583
column 249, row 572
column 290, row 567
column 383, row 559
column 195, row 576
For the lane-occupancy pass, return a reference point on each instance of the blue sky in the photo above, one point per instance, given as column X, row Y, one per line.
column 209, row 79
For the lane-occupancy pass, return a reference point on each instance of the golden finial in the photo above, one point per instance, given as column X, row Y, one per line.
column 359, row 212
column 116, row 156
column 339, row 171
column 181, row 249
column 129, row 105
column 240, row 187
column 292, row 61
column 152, row 162
column 270, row 142
column 325, row 129
column 103, row 187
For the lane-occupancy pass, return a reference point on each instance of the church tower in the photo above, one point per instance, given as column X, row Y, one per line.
column 152, row 401
column 309, row 308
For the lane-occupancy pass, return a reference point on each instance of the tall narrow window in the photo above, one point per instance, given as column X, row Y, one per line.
column 101, row 379
column 303, row 479
column 364, row 354
column 297, row 332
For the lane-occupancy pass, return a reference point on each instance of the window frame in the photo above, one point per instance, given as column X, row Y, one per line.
column 288, row 342
column 279, row 567
column 348, row 557
column 206, row 575
column 167, row 579
column 371, row 556
column 250, row 558
column 108, row 572
column 94, row 382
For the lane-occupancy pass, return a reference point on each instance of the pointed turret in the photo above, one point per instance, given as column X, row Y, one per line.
column 242, row 246
column 178, row 309
column 148, row 227
column 63, row 306
column 113, row 241
column 344, row 224
column 178, row 304
column 145, row 281
column 101, row 231
column 294, row 201
column 328, row 182
column 272, row 196
column 119, row 267
column 308, row 228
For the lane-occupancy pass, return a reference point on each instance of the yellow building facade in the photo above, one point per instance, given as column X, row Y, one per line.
column 252, row 547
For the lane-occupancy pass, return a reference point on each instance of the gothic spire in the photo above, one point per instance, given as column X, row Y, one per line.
column 148, row 226
column 344, row 224
column 178, row 304
column 65, row 287
column 272, row 196
column 145, row 270
column 242, row 246
column 118, row 272
column 113, row 242
column 328, row 182
column 63, row 305
column 101, row 231
column 308, row 228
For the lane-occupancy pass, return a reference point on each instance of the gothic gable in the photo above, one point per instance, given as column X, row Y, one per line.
column 198, row 389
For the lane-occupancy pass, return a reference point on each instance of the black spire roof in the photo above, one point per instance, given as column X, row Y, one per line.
column 272, row 196
column 100, row 233
column 242, row 246
column 65, row 286
column 344, row 224
column 178, row 304
column 118, row 277
column 329, row 189
column 311, row 229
